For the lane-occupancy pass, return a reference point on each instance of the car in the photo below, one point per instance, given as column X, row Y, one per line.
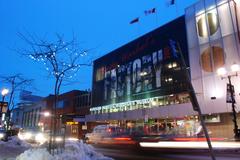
column 33, row 136
column 107, row 134
column 3, row 134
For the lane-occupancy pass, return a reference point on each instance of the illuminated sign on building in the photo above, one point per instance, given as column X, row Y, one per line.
column 147, row 67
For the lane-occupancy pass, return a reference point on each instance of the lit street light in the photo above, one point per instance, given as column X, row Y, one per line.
column 46, row 114
column 4, row 92
column 230, row 91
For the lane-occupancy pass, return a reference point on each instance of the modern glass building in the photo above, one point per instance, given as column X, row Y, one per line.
column 214, row 46
column 142, row 83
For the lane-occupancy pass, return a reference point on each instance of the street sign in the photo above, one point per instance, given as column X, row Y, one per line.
column 3, row 107
column 229, row 97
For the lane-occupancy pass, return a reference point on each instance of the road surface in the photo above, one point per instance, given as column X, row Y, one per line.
column 130, row 153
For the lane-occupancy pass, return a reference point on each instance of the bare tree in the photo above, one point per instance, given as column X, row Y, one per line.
column 16, row 83
column 61, row 60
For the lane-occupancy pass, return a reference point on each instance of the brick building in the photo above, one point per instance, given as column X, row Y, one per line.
column 70, row 112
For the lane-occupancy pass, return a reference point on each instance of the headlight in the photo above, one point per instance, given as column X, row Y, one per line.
column 40, row 138
column 20, row 136
column 1, row 135
column 72, row 139
column 28, row 135
column 58, row 139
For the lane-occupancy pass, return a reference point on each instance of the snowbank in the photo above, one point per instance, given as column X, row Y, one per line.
column 15, row 142
column 73, row 151
column 35, row 154
column 12, row 148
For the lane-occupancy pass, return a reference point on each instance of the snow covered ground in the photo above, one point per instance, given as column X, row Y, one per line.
column 9, row 150
column 74, row 150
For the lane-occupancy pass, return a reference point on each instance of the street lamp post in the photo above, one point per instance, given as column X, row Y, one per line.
column 4, row 93
column 231, row 98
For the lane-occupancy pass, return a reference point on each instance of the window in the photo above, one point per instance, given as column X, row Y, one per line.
column 212, row 58
column 168, row 79
column 100, row 74
column 172, row 65
column 213, row 118
column 211, row 24
column 62, row 103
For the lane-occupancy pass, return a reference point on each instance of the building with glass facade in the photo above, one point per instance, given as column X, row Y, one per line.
column 142, row 84
column 213, row 42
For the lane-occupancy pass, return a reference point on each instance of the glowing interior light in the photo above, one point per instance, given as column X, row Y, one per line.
column 143, row 73
column 58, row 139
column 174, row 64
column 221, row 71
column 235, row 67
column 170, row 79
column 154, row 103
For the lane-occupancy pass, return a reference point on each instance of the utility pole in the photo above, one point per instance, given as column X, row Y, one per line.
column 194, row 101
column 231, row 95
column 234, row 113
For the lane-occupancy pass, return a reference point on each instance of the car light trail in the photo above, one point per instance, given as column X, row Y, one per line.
column 188, row 145
column 72, row 139
column 122, row 139
column 198, row 139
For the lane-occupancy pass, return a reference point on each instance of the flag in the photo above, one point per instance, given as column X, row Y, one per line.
column 172, row 2
column 134, row 20
column 151, row 11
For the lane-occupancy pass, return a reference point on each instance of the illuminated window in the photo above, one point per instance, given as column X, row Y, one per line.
column 168, row 79
column 169, row 65
column 212, row 118
column 172, row 65
column 212, row 58
column 211, row 24
column 100, row 74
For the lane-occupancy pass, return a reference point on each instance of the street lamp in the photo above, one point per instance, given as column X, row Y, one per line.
column 4, row 92
column 46, row 114
column 230, row 91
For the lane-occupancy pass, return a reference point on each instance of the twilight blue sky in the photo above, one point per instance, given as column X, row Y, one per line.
column 100, row 24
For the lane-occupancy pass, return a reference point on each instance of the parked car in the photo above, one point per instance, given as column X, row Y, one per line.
column 3, row 134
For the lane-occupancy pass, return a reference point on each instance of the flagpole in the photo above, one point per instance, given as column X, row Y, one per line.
column 138, row 30
column 176, row 8
column 156, row 18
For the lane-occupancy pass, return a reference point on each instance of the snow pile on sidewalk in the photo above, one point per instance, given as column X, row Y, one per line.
column 15, row 142
column 35, row 154
column 73, row 151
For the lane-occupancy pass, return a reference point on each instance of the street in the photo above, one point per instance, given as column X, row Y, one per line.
column 129, row 153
